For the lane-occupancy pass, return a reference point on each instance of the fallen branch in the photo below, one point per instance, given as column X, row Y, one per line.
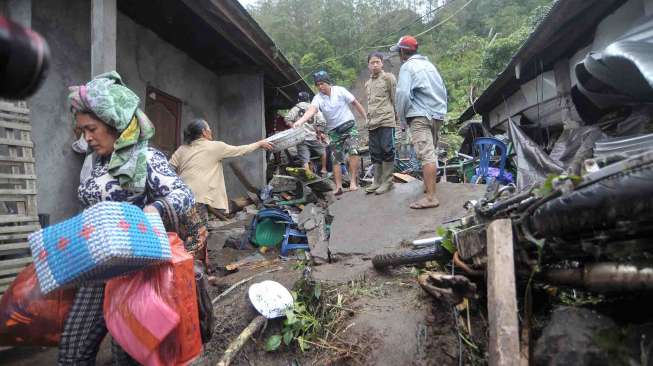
column 239, row 342
column 235, row 285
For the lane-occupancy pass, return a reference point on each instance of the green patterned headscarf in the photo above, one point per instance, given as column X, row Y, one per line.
column 117, row 106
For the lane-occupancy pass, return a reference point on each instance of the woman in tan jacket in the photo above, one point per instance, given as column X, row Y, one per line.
column 199, row 164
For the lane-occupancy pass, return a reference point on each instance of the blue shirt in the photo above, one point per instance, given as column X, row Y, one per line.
column 420, row 91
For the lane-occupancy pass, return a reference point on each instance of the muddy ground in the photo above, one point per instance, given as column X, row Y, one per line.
column 389, row 319
column 386, row 318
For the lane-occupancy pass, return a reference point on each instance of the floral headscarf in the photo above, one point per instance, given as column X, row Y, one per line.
column 117, row 106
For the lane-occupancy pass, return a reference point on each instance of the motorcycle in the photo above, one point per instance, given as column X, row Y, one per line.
column 591, row 232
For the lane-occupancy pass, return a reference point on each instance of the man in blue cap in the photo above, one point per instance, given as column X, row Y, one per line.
column 421, row 105
column 334, row 101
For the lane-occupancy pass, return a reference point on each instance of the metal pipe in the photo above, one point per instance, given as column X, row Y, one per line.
column 604, row 277
column 427, row 241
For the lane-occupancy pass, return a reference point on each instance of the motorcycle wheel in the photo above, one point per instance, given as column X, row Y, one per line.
column 405, row 257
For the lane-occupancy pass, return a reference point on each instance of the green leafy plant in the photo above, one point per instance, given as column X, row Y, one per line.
column 553, row 181
column 306, row 320
column 447, row 239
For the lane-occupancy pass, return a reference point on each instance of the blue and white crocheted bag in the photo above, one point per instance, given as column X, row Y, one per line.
column 106, row 240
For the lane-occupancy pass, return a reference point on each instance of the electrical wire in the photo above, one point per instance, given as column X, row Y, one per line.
column 302, row 78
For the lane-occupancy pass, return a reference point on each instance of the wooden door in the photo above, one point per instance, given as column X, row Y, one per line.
column 164, row 111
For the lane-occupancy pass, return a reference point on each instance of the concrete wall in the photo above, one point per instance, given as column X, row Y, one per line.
column 241, row 114
column 144, row 59
column 232, row 104
column 65, row 25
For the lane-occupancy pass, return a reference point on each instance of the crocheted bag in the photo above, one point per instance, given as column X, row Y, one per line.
column 106, row 240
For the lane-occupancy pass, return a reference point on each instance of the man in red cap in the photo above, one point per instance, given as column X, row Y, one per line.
column 421, row 105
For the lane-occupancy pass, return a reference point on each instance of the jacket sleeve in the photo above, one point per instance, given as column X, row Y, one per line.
column 392, row 85
column 163, row 183
column 229, row 151
column 402, row 95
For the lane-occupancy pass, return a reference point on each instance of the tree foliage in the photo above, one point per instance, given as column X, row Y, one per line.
column 469, row 46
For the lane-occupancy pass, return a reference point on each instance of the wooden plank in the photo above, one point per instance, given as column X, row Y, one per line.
column 4, row 219
column 4, row 248
column 6, row 280
column 13, row 263
column 18, row 229
column 14, row 142
column 4, row 288
column 405, row 178
column 14, row 125
column 12, row 107
column 11, row 271
column 17, row 176
column 501, row 295
column 18, row 191
column 14, row 237
column 16, row 159
column 12, row 198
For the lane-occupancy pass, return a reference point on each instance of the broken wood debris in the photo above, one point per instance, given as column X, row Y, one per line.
column 238, row 343
column 501, row 294
column 404, row 178
column 239, row 283
column 233, row 267
column 452, row 289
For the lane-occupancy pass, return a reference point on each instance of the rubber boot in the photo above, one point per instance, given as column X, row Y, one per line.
column 388, row 168
column 378, row 171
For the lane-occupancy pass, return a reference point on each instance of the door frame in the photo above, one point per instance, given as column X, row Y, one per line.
column 150, row 89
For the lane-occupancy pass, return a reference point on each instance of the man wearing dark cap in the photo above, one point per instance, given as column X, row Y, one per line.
column 334, row 101
column 421, row 104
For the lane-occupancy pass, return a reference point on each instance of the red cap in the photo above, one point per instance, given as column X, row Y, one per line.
column 406, row 43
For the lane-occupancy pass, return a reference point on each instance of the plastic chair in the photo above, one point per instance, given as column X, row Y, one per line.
column 485, row 147
column 274, row 226
column 269, row 227
column 291, row 233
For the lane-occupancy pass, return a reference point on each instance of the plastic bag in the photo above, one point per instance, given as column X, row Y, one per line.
column 29, row 318
column 153, row 314
column 204, row 304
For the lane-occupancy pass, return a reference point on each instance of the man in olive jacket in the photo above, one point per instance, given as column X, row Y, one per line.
column 381, row 122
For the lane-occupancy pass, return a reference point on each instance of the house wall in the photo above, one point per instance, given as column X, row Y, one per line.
column 241, row 113
column 144, row 59
column 65, row 25
column 233, row 104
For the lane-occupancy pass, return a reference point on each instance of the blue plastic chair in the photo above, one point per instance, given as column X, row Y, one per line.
column 292, row 234
column 486, row 146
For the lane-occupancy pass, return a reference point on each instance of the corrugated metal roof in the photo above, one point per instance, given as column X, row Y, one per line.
column 567, row 27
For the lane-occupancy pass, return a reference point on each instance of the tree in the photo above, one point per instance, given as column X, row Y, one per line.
column 469, row 47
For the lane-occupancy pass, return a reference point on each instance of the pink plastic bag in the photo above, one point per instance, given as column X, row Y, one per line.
column 153, row 314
